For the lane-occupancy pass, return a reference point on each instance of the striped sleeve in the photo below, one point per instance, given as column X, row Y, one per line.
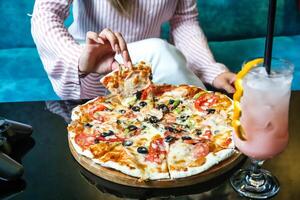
column 58, row 50
column 190, row 39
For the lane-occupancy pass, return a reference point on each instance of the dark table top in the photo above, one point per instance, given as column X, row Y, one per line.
column 52, row 173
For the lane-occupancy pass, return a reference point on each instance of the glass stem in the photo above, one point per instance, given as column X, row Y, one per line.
column 255, row 177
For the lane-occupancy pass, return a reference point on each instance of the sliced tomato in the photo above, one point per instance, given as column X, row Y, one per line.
column 159, row 90
column 156, row 149
column 146, row 92
column 226, row 142
column 206, row 100
column 130, row 114
column 95, row 109
column 101, row 119
column 200, row 149
column 99, row 107
column 207, row 134
column 144, row 95
column 84, row 140
column 166, row 133
column 192, row 141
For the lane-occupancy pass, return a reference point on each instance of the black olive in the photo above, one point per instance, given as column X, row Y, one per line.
column 132, row 127
column 106, row 134
column 153, row 119
column 163, row 108
column 96, row 141
column 169, row 128
column 122, row 111
column 118, row 121
column 127, row 143
column 135, row 108
column 138, row 95
column 169, row 138
column 88, row 125
column 177, row 131
column 150, row 77
column 143, row 103
column 184, row 117
column 211, row 111
column 143, row 127
column 198, row 132
column 171, row 101
column 142, row 150
column 186, row 138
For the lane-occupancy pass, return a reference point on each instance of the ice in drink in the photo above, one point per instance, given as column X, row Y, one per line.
column 265, row 105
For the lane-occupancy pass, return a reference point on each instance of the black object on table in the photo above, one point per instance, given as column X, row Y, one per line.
column 11, row 132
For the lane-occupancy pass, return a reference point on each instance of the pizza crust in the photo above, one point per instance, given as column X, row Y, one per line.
column 158, row 176
column 132, row 172
column 75, row 114
column 211, row 160
column 124, row 169
column 108, row 75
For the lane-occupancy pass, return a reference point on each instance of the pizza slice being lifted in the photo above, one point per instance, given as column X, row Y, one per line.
column 126, row 81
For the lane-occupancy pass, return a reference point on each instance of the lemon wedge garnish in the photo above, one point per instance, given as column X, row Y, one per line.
column 236, row 124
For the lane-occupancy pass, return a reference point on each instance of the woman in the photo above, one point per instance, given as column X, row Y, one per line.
column 75, row 69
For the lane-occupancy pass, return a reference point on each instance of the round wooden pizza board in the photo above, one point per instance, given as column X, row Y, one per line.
column 123, row 179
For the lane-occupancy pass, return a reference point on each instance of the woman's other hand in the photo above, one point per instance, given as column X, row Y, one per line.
column 100, row 50
column 225, row 81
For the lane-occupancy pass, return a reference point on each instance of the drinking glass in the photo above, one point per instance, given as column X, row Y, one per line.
column 264, row 123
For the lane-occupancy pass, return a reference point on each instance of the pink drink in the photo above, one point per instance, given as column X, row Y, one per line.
column 265, row 106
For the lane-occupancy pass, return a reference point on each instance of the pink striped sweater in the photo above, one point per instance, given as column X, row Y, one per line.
column 59, row 49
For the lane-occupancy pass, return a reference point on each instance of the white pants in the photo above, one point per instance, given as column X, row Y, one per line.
column 168, row 63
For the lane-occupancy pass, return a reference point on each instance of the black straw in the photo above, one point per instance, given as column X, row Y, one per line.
column 270, row 35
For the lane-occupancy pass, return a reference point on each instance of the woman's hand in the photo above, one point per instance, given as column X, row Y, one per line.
column 225, row 81
column 100, row 50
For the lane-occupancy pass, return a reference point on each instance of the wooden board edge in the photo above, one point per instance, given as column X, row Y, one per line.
column 123, row 179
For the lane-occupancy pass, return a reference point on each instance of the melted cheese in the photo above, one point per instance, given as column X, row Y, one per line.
column 180, row 155
column 176, row 93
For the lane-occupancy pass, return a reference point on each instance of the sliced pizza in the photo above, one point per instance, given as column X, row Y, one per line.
column 153, row 131
column 118, row 158
column 150, row 151
column 187, row 159
column 126, row 81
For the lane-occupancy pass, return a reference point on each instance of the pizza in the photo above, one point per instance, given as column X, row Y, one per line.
column 126, row 81
column 153, row 131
